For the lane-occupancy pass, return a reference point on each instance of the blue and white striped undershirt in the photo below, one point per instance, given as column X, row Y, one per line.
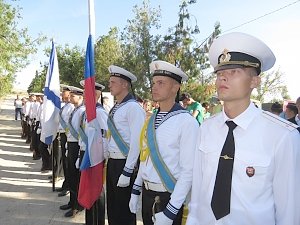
column 159, row 118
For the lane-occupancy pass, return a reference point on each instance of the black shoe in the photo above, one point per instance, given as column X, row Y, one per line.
column 65, row 207
column 36, row 157
column 72, row 213
column 59, row 189
column 63, row 193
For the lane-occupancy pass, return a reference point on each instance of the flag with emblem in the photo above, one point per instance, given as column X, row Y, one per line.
column 50, row 116
column 91, row 179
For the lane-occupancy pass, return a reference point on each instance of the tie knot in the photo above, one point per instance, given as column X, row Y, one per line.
column 231, row 125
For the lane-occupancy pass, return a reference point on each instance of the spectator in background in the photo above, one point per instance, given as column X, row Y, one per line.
column 106, row 105
column 194, row 107
column 276, row 108
column 296, row 119
column 206, row 113
column 18, row 108
column 155, row 106
column 291, row 111
column 147, row 105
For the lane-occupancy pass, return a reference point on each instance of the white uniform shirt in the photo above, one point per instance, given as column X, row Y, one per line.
column 129, row 119
column 34, row 110
column 263, row 141
column 27, row 108
column 75, row 122
column 101, row 118
column 176, row 139
column 66, row 110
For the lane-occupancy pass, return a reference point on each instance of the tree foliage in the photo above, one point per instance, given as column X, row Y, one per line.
column 138, row 45
column 15, row 45
column 272, row 85
column 107, row 52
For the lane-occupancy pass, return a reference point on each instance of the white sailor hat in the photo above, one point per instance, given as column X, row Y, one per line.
column 98, row 86
column 75, row 90
column 38, row 94
column 65, row 87
column 116, row 71
column 238, row 50
column 162, row 68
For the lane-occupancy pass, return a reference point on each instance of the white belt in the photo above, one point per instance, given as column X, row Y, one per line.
column 116, row 155
column 154, row 186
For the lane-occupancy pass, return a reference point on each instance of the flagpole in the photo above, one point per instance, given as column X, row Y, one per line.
column 91, row 17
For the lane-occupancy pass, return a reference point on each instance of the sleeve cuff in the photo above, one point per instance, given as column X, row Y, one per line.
column 136, row 189
column 170, row 211
column 127, row 172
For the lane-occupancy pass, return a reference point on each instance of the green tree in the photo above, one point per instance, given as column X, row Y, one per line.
column 139, row 45
column 71, row 67
column 271, row 85
column 180, row 47
column 15, row 45
column 107, row 52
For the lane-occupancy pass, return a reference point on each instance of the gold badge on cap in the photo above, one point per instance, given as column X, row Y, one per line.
column 225, row 56
column 250, row 171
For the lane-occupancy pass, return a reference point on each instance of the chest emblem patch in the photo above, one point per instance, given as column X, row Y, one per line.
column 250, row 171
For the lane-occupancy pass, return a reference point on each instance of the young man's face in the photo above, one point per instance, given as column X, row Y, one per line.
column 236, row 84
column 116, row 85
column 164, row 88
column 74, row 99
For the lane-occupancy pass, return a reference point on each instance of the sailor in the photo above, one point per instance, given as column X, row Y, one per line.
column 125, row 122
column 66, row 109
column 247, row 161
column 168, row 143
column 73, row 174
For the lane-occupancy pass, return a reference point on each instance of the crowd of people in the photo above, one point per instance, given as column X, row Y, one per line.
column 188, row 163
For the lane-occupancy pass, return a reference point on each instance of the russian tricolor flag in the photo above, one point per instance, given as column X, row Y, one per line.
column 91, row 180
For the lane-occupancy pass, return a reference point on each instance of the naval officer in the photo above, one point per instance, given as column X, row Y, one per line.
column 247, row 161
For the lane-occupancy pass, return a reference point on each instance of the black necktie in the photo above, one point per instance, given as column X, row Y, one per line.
column 220, row 202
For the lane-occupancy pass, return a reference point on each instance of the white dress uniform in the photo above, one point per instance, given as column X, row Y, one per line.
column 176, row 135
column 75, row 121
column 128, row 118
column 67, row 109
column 265, row 173
column 271, row 195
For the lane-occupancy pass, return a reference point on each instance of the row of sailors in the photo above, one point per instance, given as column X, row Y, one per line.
column 158, row 158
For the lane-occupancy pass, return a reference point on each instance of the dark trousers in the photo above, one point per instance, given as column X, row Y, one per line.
column 73, row 175
column 46, row 158
column 27, row 130
column 148, row 198
column 96, row 214
column 57, row 162
column 118, row 197
column 64, row 162
column 23, row 124
column 18, row 111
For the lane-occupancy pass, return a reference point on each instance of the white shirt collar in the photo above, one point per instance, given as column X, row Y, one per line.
column 245, row 118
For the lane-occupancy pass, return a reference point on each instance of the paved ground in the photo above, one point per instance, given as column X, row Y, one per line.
column 26, row 196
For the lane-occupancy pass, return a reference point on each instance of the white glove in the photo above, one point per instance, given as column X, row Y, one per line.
column 38, row 131
column 161, row 219
column 66, row 154
column 123, row 181
column 134, row 203
column 77, row 163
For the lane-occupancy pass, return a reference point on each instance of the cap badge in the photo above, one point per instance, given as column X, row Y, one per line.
column 225, row 57
column 250, row 171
